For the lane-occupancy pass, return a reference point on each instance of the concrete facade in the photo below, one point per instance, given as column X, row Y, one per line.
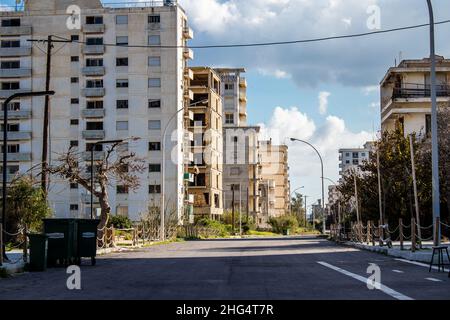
column 351, row 158
column 405, row 95
column 150, row 82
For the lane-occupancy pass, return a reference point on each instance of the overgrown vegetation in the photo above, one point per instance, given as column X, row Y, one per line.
column 120, row 222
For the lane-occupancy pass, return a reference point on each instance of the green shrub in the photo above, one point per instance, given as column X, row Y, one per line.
column 282, row 224
column 213, row 224
column 120, row 222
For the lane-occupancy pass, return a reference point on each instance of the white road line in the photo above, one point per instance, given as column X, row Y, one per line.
column 420, row 264
column 433, row 279
column 397, row 271
column 385, row 289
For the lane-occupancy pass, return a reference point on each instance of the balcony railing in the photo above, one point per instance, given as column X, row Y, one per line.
column 15, row 52
column 94, row 49
column 20, row 156
column 8, row 93
column 93, row 113
column 17, row 115
column 93, row 28
column 94, row 134
column 98, row 155
column 420, row 91
column 19, row 135
column 15, row 73
column 93, row 71
column 15, row 31
column 93, row 92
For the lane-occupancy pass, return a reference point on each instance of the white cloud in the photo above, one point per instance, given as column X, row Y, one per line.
column 370, row 89
column 375, row 105
column 347, row 21
column 327, row 138
column 323, row 102
column 276, row 73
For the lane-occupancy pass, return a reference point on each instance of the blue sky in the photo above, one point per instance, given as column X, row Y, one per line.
column 285, row 82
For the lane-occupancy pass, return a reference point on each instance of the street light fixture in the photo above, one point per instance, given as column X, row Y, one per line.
column 5, row 157
column 92, row 168
column 323, row 190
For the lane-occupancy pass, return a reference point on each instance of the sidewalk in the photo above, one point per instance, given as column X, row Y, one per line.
column 422, row 255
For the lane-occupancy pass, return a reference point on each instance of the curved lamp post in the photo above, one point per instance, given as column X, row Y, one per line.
column 323, row 190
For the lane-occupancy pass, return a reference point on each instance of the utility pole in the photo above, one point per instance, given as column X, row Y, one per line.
column 46, row 118
column 380, row 203
column 232, row 209
column 248, row 204
column 306, row 216
column 416, row 199
column 358, row 218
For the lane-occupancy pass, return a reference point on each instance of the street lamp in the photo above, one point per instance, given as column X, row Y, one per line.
column 434, row 133
column 5, row 157
column 323, row 190
column 163, row 168
column 92, row 168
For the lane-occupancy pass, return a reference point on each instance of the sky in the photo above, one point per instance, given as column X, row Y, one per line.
column 324, row 92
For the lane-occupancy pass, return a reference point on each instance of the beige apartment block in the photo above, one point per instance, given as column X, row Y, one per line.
column 242, row 170
column 206, row 167
column 275, row 184
column 405, row 95
column 105, row 89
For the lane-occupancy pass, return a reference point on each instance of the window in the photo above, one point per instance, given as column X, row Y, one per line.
column 12, row 148
column 122, row 62
column 10, row 44
column 74, row 80
column 154, row 146
column 154, row 61
column 347, row 154
column 74, row 58
column 229, row 86
column 94, row 125
column 74, row 186
column 199, row 180
column 199, row 120
column 154, row 19
column 73, row 207
column 10, row 85
column 355, row 162
column 206, row 198
column 122, row 83
column 154, row 124
column 74, row 143
column 121, row 125
column 94, row 41
column 121, row 19
column 74, row 122
column 94, row 147
column 74, row 101
column 235, row 171
column 122, row 104
column 154, row 104
column 97, row 83
column 10, row 64
column 428, row 124
column 122, row 211
column 97, row 104
column 12, row 106
column 347, row 161
column 121, row 189
column 229, row 118
column 74, row 37
column 154, row 189
column 216, row 200
column 122, row 40
column 94, row 20
column 154, row 167
column 94, row 62
column 363, row 154
column 11, row 22
column 154, row 83
column 154, row 40
column 355, row 155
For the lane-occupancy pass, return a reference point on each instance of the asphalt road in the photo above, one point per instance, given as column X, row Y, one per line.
column 262, row 269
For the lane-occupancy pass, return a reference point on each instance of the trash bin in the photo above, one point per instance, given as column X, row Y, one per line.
column 62, row 244
column 87, row 239
column 38, row 252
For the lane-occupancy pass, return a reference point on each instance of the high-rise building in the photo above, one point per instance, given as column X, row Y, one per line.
column 108, row 85
column 350, row 158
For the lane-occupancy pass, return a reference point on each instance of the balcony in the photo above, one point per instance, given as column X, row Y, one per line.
column 188, row 53
column 420, row 91
column 189, row 74
column 94, row 28
column 15, row 31
column 243, row 82
column 9, row 177
column 188, row 157
column 188, row 136
column 189, row 94
column 15, row 73
column 19, row 135
column 7, row 93
column 17, row 115
column 15, row 52
column 94, row 134
column 93, row 113
column 93, row 92
column 98, row 155
column 93, row 71
column 20, row 156
column 188, row 33
column 94, row 49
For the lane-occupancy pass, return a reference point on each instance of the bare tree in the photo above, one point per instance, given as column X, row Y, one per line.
column 117, row 166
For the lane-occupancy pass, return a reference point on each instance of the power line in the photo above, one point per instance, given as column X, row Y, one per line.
column 260, row 44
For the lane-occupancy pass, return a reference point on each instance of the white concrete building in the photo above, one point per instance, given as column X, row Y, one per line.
column 405, row 95
column 104, row 90
column 353, row 157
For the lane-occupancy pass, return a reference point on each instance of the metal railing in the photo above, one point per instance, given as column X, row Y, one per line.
column 412, row 90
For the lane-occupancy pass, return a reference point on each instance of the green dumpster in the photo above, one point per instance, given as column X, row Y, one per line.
column 62, row 244
column 38, row 252
column 87, row 239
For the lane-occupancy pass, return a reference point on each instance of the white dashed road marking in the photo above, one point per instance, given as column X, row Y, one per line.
column 397, row 271
column 383, row 288
column 433, row 279
column 420, row 264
